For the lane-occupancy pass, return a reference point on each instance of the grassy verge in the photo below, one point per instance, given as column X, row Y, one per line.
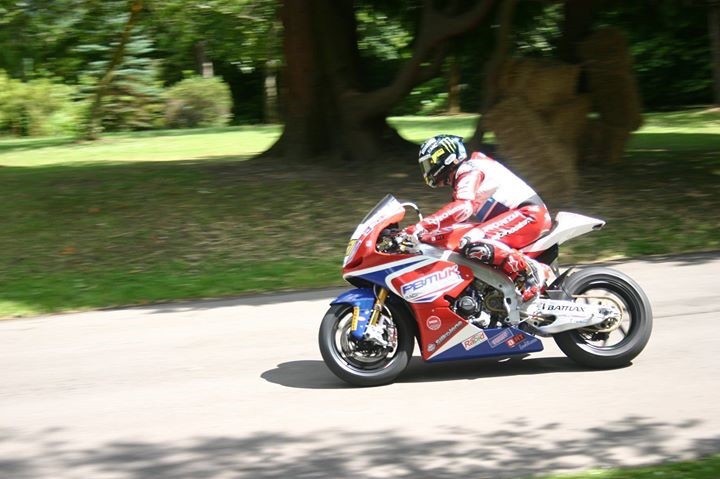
column 707, row 468
column 157, row 216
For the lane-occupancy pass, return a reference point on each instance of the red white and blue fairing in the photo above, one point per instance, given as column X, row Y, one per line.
column 428, row 283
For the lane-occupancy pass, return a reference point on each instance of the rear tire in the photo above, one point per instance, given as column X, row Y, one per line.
column 581, row 345
column 346, row 360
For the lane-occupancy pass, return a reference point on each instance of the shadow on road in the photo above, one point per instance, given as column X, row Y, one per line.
column 315, row 375
column 519, row 449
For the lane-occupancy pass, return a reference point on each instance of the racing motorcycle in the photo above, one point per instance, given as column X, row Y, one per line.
column 456, row 308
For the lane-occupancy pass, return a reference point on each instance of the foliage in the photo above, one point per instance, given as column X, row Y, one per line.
column 134, row 98
column 198, row 102
column 243, row 33
column 68, row 39
column 671, row 49
column 37, row 107
column 200, row 218
column 704, row 468
column 539, row 31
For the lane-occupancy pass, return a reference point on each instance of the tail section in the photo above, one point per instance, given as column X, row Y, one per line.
column 566, row 226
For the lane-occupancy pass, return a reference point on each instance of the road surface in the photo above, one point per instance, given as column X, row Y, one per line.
column 237, row 389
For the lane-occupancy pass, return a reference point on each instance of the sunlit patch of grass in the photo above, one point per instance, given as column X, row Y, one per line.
column 706, row 468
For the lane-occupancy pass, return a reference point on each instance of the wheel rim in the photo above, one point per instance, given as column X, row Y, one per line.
column 612, row 334
column 363, row 355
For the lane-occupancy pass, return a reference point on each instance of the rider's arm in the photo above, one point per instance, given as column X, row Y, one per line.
column 466, row 203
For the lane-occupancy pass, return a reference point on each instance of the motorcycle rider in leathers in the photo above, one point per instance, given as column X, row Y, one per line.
column 510, row 215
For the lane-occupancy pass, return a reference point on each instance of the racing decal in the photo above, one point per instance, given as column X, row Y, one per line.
column 500, row 338
column 428, row 288
column 433, row 323
column 452, row 337
column 474, row 340
column 567, row 310
column 527, row 343
column 515, row 340
column 383, row 273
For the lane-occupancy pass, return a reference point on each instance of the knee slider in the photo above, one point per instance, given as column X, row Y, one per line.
column 480, row 251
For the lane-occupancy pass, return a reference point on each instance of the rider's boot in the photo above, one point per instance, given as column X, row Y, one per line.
column 531, row 282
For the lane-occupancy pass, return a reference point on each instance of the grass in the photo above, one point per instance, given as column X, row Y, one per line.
column 157, row 216
column 706, row 468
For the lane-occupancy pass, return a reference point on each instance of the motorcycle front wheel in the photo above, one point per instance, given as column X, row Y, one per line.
column 616, row 342
column 362, row 363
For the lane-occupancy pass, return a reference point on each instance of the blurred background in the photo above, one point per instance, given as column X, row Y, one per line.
column 160, row 150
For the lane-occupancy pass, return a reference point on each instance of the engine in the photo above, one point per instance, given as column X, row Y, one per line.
column 480, row 304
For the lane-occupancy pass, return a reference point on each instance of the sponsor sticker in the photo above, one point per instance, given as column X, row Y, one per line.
column 474, row 340
column 433, row 323
column 526, row 344
column 431, row 286
column 500, row 338
column 446, row 335
column 431, row 347
column 515, row 340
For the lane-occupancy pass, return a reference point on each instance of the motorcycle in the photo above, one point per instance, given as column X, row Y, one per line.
column 456, row 308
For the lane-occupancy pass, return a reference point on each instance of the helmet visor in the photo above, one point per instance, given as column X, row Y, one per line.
column 426, row 168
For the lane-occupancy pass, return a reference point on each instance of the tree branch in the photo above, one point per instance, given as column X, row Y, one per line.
column 434, row 29
column 136, row 7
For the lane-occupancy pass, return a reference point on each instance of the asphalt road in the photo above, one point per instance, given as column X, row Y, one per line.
column 237, row 389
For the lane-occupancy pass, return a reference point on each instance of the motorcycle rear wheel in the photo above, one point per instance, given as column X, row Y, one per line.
column 341, row 355
column 589, row 346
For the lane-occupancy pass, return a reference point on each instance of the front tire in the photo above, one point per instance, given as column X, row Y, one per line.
column 592, row 346
column 360, row 363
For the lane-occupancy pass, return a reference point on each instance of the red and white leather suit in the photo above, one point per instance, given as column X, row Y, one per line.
column 509, row 213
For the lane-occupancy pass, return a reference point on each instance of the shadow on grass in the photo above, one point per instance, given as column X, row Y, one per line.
column 315, row 374
column 162, row 222
column 522, row 448
column 21, row 144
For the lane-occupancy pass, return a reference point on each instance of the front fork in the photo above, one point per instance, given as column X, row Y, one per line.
column 364, row 320
column 367, row 308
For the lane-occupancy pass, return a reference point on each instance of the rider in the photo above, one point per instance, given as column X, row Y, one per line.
column 509, row 213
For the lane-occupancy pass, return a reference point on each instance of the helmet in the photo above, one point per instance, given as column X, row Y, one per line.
column 439, row 157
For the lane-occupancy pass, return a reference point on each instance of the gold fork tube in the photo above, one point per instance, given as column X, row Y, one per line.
column 379, row 304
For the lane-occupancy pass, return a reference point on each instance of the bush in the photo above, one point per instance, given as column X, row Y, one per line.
column 198, row 102
column 38, row 107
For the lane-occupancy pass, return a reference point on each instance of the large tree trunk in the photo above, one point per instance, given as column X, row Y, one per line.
column 328, row 111
column 203, row 66
column 576, row 25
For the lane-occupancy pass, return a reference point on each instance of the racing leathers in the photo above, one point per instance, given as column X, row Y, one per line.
column 509, row 214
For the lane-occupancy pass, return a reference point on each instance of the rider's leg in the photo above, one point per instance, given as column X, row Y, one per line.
column 495, row 243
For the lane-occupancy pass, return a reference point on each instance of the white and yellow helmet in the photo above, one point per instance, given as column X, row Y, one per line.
column 439, row 157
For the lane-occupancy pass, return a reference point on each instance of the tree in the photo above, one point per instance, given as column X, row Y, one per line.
column 714, row 30
column 92, row 127
column 329, row 109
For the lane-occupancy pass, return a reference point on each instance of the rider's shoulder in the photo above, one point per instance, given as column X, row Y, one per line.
column 480, row 156
column 477, row 161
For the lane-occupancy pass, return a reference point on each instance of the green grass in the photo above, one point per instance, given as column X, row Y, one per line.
column 157, row 216
column 171, row 145
column 706, row 468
